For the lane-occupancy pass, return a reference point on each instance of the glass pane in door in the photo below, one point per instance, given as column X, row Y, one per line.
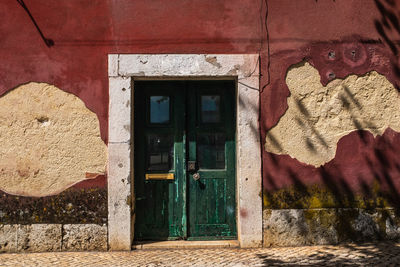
column 159, row 109
column 210, row 108
column 160, row 152
column 211, row 150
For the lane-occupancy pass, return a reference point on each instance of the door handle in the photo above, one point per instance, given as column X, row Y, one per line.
column 196, row 176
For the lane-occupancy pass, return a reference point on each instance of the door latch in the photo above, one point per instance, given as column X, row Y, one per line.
column 191, row 166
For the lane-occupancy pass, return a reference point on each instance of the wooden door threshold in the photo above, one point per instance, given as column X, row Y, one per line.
column 183, row 244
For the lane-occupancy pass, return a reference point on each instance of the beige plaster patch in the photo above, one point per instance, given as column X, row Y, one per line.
column 318, row 116
column 49, row 140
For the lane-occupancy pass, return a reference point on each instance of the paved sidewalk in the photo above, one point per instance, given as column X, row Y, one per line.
column 382, row 254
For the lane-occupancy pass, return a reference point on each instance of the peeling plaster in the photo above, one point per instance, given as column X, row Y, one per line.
column 49, row 141
column 318, row 116
column 213, row 61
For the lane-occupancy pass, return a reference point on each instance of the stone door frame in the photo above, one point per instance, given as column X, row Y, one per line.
column 123, row 70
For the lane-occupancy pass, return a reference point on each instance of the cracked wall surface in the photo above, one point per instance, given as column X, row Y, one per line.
column 318, row 116
column 49, row 141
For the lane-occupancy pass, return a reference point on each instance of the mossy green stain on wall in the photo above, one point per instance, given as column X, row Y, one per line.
column 73, row 205
column 292, row 227
column 319, row 196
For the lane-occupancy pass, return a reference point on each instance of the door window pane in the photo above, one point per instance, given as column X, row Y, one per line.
column 159, row 109
column 211, row 151
column 210, row 108
column 160, row 152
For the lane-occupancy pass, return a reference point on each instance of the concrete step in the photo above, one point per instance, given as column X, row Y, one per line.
column 186, row 244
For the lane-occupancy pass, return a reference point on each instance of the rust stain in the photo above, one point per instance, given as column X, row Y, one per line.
column 243, row 213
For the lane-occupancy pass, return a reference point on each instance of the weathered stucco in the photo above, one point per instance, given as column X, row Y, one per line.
column 49, row 141
column 318, row 116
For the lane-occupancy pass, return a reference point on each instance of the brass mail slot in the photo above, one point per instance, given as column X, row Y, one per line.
column 160, row 176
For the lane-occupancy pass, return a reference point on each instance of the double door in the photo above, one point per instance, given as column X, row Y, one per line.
column 184, row 160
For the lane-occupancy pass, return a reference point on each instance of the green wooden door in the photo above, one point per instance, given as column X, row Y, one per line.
column 211, row 144
column 184, row 160
column 159, row 149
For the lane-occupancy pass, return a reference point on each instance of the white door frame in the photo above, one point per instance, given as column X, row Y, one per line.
column 123, row 69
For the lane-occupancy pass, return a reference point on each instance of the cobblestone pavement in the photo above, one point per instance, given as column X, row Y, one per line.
column 382, row 254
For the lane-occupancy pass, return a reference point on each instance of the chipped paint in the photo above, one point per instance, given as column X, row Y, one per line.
column 213, row 61
column 318, row 116
column 50, row 141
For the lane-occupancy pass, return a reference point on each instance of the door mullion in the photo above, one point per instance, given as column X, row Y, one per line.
column 191, row 106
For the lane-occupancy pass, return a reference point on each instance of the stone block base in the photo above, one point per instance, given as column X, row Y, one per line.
column 39, row 237
column 297, row 227
column 84, row 237
column 52, row 237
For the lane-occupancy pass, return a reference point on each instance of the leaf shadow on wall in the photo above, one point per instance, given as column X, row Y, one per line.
column 388, row 28
column 381, row 163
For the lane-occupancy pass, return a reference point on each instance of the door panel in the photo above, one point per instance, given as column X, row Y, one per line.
column 177, row 122
column 211, row 137
column 159, row 149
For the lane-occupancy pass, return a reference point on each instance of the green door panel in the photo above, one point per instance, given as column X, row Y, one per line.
column 159, row 203
column 176, row 122
column 211, row 135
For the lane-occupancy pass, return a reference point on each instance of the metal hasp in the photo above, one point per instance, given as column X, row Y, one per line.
column 191, row 166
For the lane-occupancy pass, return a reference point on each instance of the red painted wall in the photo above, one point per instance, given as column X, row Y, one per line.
column 85, row 31
column 310, row 30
